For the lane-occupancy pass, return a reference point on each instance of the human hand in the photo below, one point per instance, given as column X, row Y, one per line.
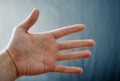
column 35, row 54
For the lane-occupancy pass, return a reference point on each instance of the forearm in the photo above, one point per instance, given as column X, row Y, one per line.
column 7, row 68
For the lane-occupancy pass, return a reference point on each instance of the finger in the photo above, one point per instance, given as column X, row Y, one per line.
column 68, row 70
column 67, row 30
column 75, row 44
column 74, row 55
column 31, row 19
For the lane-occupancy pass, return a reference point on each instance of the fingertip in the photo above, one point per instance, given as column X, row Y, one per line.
column 36, row 11
column 88, row 53
column 93, row 42
column 80, row 71
column 81, row 26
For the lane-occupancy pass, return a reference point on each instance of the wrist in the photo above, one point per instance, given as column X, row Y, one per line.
column 7, row 67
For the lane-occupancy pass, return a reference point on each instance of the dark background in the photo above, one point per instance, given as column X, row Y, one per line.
column 102, row 19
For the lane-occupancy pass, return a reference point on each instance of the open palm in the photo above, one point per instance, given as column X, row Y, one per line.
column 35, row 54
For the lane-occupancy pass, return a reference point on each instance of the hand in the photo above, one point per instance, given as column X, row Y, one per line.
column 34, row 54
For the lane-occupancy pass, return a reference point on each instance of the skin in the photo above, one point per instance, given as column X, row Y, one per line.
column 33, row 54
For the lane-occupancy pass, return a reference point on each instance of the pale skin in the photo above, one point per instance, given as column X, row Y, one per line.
column 32, row 54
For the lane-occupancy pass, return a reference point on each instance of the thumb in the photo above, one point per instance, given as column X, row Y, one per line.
column 31, row 19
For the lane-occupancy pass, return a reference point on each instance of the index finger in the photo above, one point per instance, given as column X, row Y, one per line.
column 58, row 33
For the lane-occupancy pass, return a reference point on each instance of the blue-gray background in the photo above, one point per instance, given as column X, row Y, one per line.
column 101, row 17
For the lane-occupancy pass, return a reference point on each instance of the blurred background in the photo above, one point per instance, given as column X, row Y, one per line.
column 102, row 19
